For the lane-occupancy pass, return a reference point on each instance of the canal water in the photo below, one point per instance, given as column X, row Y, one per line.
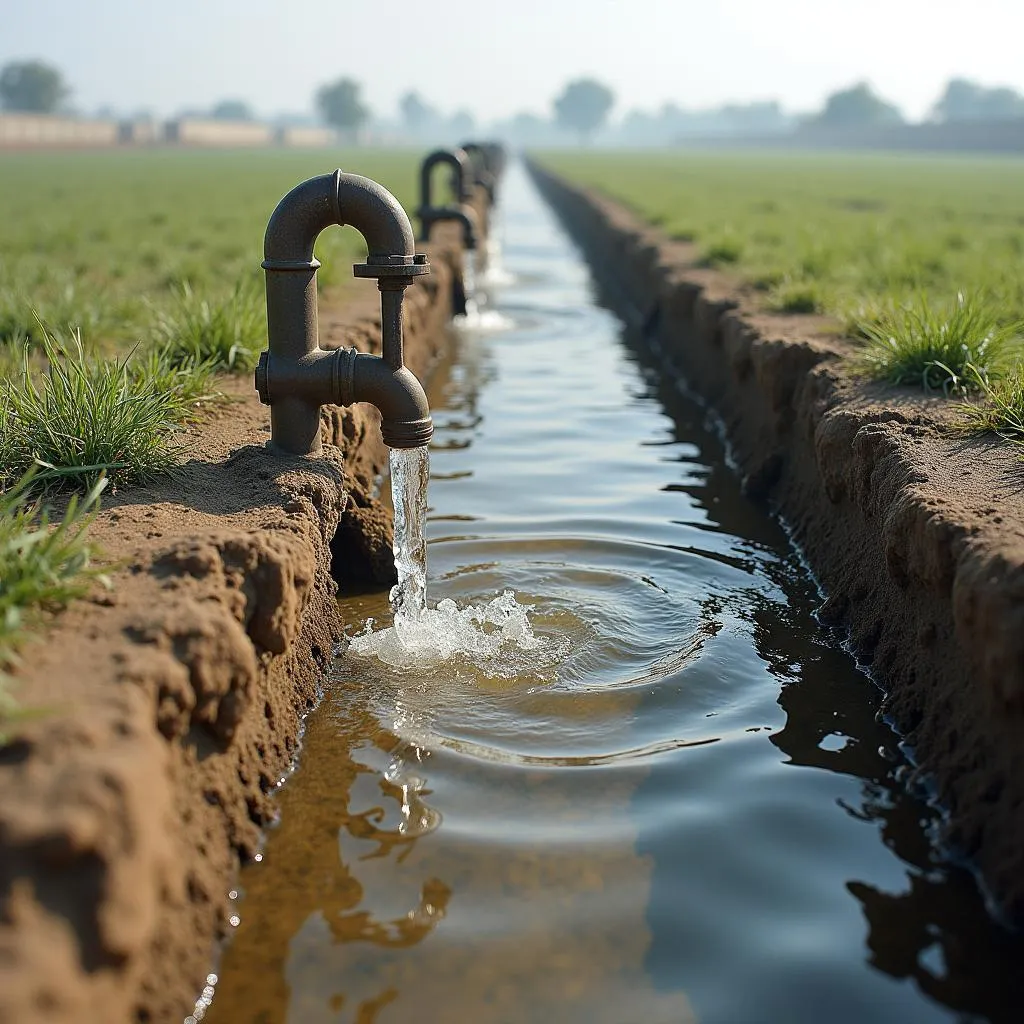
column 662, row 797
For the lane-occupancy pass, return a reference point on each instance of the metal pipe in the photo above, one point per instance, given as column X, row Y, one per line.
column 461, row 180
column 295, row 376
column 482, row 173
column 392, row 344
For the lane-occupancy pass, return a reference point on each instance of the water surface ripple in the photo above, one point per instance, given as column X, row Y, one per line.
column 689, row 813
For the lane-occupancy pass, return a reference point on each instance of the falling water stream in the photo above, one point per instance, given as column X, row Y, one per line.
column 599, row 763
column 410, row 473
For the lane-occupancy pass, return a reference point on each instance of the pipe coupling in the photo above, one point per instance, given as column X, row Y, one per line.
column 344, row 375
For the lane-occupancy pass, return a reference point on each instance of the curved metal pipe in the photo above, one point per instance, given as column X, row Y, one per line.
column 338, row 198
column 295, row 376
column 462, row 175
column 405, row 414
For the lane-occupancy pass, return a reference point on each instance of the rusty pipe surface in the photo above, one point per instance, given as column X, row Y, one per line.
column 462, row 175
column 295, row 376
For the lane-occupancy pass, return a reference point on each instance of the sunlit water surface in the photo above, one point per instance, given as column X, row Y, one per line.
column 637, row 782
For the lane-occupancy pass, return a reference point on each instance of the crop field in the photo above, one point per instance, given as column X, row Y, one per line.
column 838, row 234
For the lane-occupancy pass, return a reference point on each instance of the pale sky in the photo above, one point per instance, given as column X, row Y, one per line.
column 498, row 58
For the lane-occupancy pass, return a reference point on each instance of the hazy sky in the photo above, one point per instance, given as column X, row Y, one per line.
column 497, row 58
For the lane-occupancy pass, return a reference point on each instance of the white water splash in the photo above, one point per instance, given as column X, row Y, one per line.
column 492, row 637
column 494, row 274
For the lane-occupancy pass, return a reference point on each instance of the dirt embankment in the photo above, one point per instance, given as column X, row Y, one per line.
column 172, row 702
column 916, row 535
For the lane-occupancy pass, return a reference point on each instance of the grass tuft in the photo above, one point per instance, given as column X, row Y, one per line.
column 83, row 417
column 724, row 252
column 1001, row 410
column 794, row 296
column 43, row 566
column 226, row 335
column 948, row 348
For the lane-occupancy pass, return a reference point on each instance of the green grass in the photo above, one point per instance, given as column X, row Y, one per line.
column 127, row 279
column 797, row 296
column 952, row 347
column 84, row 416
column 43, row 566
column 1002, row 409
column 226, row 335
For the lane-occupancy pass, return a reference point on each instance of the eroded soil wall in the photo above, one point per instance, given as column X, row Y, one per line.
column 171, row 703
column 915, row 534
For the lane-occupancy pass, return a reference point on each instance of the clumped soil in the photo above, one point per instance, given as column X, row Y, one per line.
column 915, row 533
column 171, row 702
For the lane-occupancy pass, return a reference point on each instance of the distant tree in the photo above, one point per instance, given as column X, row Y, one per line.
column 340, row 105
column 416, row 113
column 232, row 110
column 963, row 100
column 31, row 85
column 583, row 106
column 856, row 107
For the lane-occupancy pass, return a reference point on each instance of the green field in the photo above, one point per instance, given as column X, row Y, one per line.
column 106, row 240
column 838, row 234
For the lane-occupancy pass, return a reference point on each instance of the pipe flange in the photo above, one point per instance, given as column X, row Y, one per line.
column 417, row 267
column 262, row 376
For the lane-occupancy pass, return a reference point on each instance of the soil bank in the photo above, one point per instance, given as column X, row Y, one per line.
column 172, row 702
column 916, row 535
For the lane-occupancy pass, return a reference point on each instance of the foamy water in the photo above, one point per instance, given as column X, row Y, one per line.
column 492, row 639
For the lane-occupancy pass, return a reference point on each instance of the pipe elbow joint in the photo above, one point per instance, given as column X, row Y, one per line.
column 338, row 198
column 397, row 394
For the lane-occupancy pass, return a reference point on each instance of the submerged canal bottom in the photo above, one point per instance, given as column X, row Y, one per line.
column 680, row 808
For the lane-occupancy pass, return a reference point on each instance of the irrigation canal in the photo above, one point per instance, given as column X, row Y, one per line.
column 674, row 803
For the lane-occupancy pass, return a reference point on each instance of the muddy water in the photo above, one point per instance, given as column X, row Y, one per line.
column 689, row 814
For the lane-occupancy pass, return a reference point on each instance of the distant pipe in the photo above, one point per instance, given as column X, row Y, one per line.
column 461, row 175
column 483, row 174
column 295, row 376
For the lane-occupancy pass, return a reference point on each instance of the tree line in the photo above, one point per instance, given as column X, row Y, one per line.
column 582, row 107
